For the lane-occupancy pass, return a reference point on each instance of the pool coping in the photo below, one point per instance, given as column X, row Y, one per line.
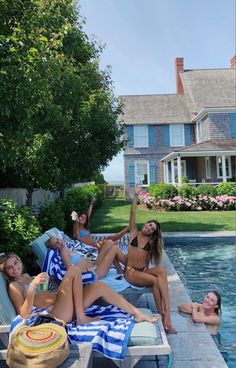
column 192, row 346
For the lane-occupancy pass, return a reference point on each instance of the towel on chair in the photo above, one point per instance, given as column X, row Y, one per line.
column 109, row 335
column 54, row 266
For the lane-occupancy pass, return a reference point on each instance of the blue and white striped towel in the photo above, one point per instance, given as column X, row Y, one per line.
column 109, row 336
column 54, row 266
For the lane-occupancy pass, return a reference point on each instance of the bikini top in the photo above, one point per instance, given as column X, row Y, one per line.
column 84, row 233
column 147, row 246
column 26, row 287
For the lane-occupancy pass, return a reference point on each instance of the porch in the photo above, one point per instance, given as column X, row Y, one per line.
column 208, row 162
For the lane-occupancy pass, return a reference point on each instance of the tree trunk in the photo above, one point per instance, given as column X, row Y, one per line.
column 29, row 199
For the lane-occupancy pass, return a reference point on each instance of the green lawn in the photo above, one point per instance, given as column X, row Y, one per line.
column 114, row 214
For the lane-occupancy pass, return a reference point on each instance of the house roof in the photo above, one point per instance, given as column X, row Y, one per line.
column 209, row 88
column 207, row 148
column 211, row 145
column 154, row 109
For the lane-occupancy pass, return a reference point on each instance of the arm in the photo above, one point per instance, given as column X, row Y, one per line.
column 119, row 235
column 90, row 208
column 24, row 305
column 132, row 219
column 65, row 256
column 198, row 316
column 185, row 308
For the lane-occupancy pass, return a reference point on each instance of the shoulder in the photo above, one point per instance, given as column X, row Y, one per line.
column 15, row 286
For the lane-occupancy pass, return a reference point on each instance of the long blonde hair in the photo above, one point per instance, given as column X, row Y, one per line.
column 3, row 260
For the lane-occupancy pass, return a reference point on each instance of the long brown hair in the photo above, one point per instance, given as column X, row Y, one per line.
column 157, row 243
column 3, row 260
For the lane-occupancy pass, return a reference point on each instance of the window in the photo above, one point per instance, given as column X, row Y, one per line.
column 227, row 167
column 140, row 136
column 208, row 167
column 142, row 173
column 199, row 132
column 177, row 135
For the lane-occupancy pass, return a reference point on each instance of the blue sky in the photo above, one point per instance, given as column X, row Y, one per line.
column 143, row 37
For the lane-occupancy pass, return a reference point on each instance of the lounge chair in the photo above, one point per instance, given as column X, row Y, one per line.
column 146, row 339
column 7, row 313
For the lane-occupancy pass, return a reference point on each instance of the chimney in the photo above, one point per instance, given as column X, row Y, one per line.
column 179, row 67
column 233, row 62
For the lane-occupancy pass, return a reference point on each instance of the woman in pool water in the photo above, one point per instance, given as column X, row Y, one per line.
column 145, row 246
column 208, row 312
column 71, row 299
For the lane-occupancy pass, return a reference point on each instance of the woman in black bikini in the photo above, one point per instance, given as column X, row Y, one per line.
column 145, row 246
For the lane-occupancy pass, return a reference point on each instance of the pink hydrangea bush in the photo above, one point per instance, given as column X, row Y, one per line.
column 197, row 203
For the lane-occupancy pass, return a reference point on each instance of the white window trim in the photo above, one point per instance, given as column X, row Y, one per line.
column 218, row 169
column 138, row 126
column 183, row 138
column 208, row 166
column 148, row 171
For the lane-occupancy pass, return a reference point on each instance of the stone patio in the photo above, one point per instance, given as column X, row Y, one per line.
column 192, row 346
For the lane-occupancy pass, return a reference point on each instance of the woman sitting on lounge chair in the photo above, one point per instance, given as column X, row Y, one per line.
column 208, row 312
column 145, row 246
column 69, row 302
column 100, row 266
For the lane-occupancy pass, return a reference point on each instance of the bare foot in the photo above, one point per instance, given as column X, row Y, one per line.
column 86, row 319
column 140, row 317
column 167, row 325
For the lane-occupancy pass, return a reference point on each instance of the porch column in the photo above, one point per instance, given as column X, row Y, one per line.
column 179, row 170
column 164, row 171
column 167, row 172
column 223, row 168
column 173, row 171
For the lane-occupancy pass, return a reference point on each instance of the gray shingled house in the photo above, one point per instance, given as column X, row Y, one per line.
column 191, row 133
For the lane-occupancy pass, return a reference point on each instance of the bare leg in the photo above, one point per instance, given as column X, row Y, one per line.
column 69, row 298
column 99, row 289
column 139, row 278
column 160, row 273
column 109, row 254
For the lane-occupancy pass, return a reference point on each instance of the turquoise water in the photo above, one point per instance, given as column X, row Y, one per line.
column 211, row 267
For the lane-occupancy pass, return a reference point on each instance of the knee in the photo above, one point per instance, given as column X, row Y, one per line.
column 129, row 271
column 160, row 271
column 109, row 243
column 74, row 270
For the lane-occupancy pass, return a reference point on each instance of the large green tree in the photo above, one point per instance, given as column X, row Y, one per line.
column 58, row 113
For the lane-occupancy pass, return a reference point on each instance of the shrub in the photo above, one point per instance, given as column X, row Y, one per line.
column 199, row 203
column 52, row 215
column 206, row 189
column 169, row 191
column 226, row 188
column 162, row 190
column 187, row 191
column 18, row 228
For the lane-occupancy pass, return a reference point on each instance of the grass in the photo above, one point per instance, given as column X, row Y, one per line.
column 114, row 215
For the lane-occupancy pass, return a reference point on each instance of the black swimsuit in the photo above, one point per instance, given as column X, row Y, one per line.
column 147, row 246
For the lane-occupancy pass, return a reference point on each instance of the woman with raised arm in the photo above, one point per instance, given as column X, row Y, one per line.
column 81, row 225
column 69, row 302
column 208, row 312
column 145, row 246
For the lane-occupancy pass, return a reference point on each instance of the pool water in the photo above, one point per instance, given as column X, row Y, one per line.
column 211, row 267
